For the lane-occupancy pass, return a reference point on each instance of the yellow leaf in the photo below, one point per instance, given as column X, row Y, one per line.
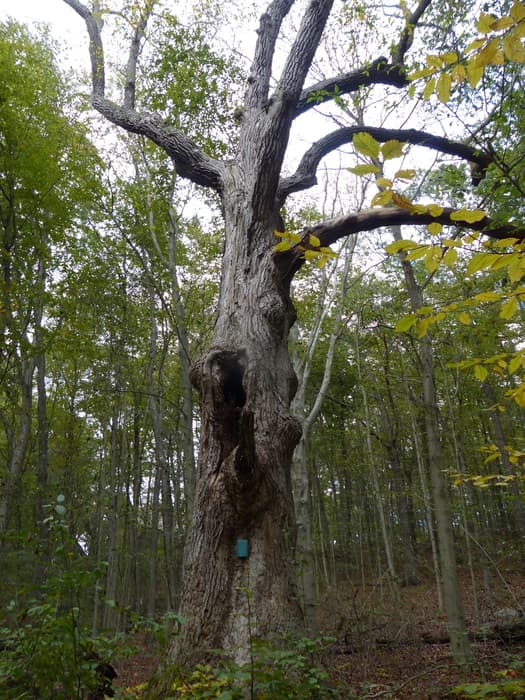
column 421, row 73
column 311, row 254
column 486, row 296
column 487, row 53
column 450, row 57
column 434, row 228
column 417, row 253
column 443, row 87
column 502, row 23
column 399, row 246
column 516, row 269
column 400, row 201
column 381, row 198
column 513, row 49
column 515, row 363
column 475, row 45
column 505, row 242
column 313, row 240
column 480, row 372
column 392, row 149
column 509, row 308
column 474, row 73
column 405, row 174
column 517, row 11
column 480, row 261
column 458, row 74
column 485, row 23
column 364, row 169
column 498, row 59
column 328, row 252
column 464, row 317
column 383, row 182
column 435, row 210
column 468, row 215
column 419, row 208
column 282, row 246
column 366, row 144
column 429, row 88
column 405, row 323
column 433, row 258
column 422, row 327
column 450, row 257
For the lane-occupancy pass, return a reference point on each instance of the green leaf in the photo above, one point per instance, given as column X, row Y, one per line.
column 366, row 144
column 313, row 240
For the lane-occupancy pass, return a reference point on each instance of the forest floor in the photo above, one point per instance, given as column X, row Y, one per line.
column 391, row 642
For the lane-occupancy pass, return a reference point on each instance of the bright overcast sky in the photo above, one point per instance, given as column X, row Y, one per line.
column 65, row 24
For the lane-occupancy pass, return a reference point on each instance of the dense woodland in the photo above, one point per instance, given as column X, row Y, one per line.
column 409, row 360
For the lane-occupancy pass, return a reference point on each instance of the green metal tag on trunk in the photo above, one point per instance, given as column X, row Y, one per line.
column 242, row 549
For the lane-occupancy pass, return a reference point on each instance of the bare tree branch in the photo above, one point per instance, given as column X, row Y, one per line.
column 332, row 230
column 305, row 175
column 378, row 72
column 407, row 35
column 370, row 219
column 259, row 79
column 189, row 160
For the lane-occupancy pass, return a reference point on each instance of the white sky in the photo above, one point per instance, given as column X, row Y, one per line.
column 65, row 24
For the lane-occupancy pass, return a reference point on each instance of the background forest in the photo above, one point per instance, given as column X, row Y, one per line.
column 109, row 279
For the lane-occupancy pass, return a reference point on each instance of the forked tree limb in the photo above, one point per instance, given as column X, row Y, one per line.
column 189, row 160
column 261, row 69
column 407, row 35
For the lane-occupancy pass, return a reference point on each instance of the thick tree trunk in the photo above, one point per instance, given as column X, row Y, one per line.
column 248, row 435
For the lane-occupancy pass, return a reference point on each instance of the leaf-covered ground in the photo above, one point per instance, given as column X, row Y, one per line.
column 391, row 643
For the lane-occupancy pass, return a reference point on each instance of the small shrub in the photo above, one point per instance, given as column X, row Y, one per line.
column 284, row 672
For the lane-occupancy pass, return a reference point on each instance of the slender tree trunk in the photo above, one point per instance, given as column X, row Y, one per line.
column 452, row 600
column 42, row 420
column 373, row 468
column 18, row 442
